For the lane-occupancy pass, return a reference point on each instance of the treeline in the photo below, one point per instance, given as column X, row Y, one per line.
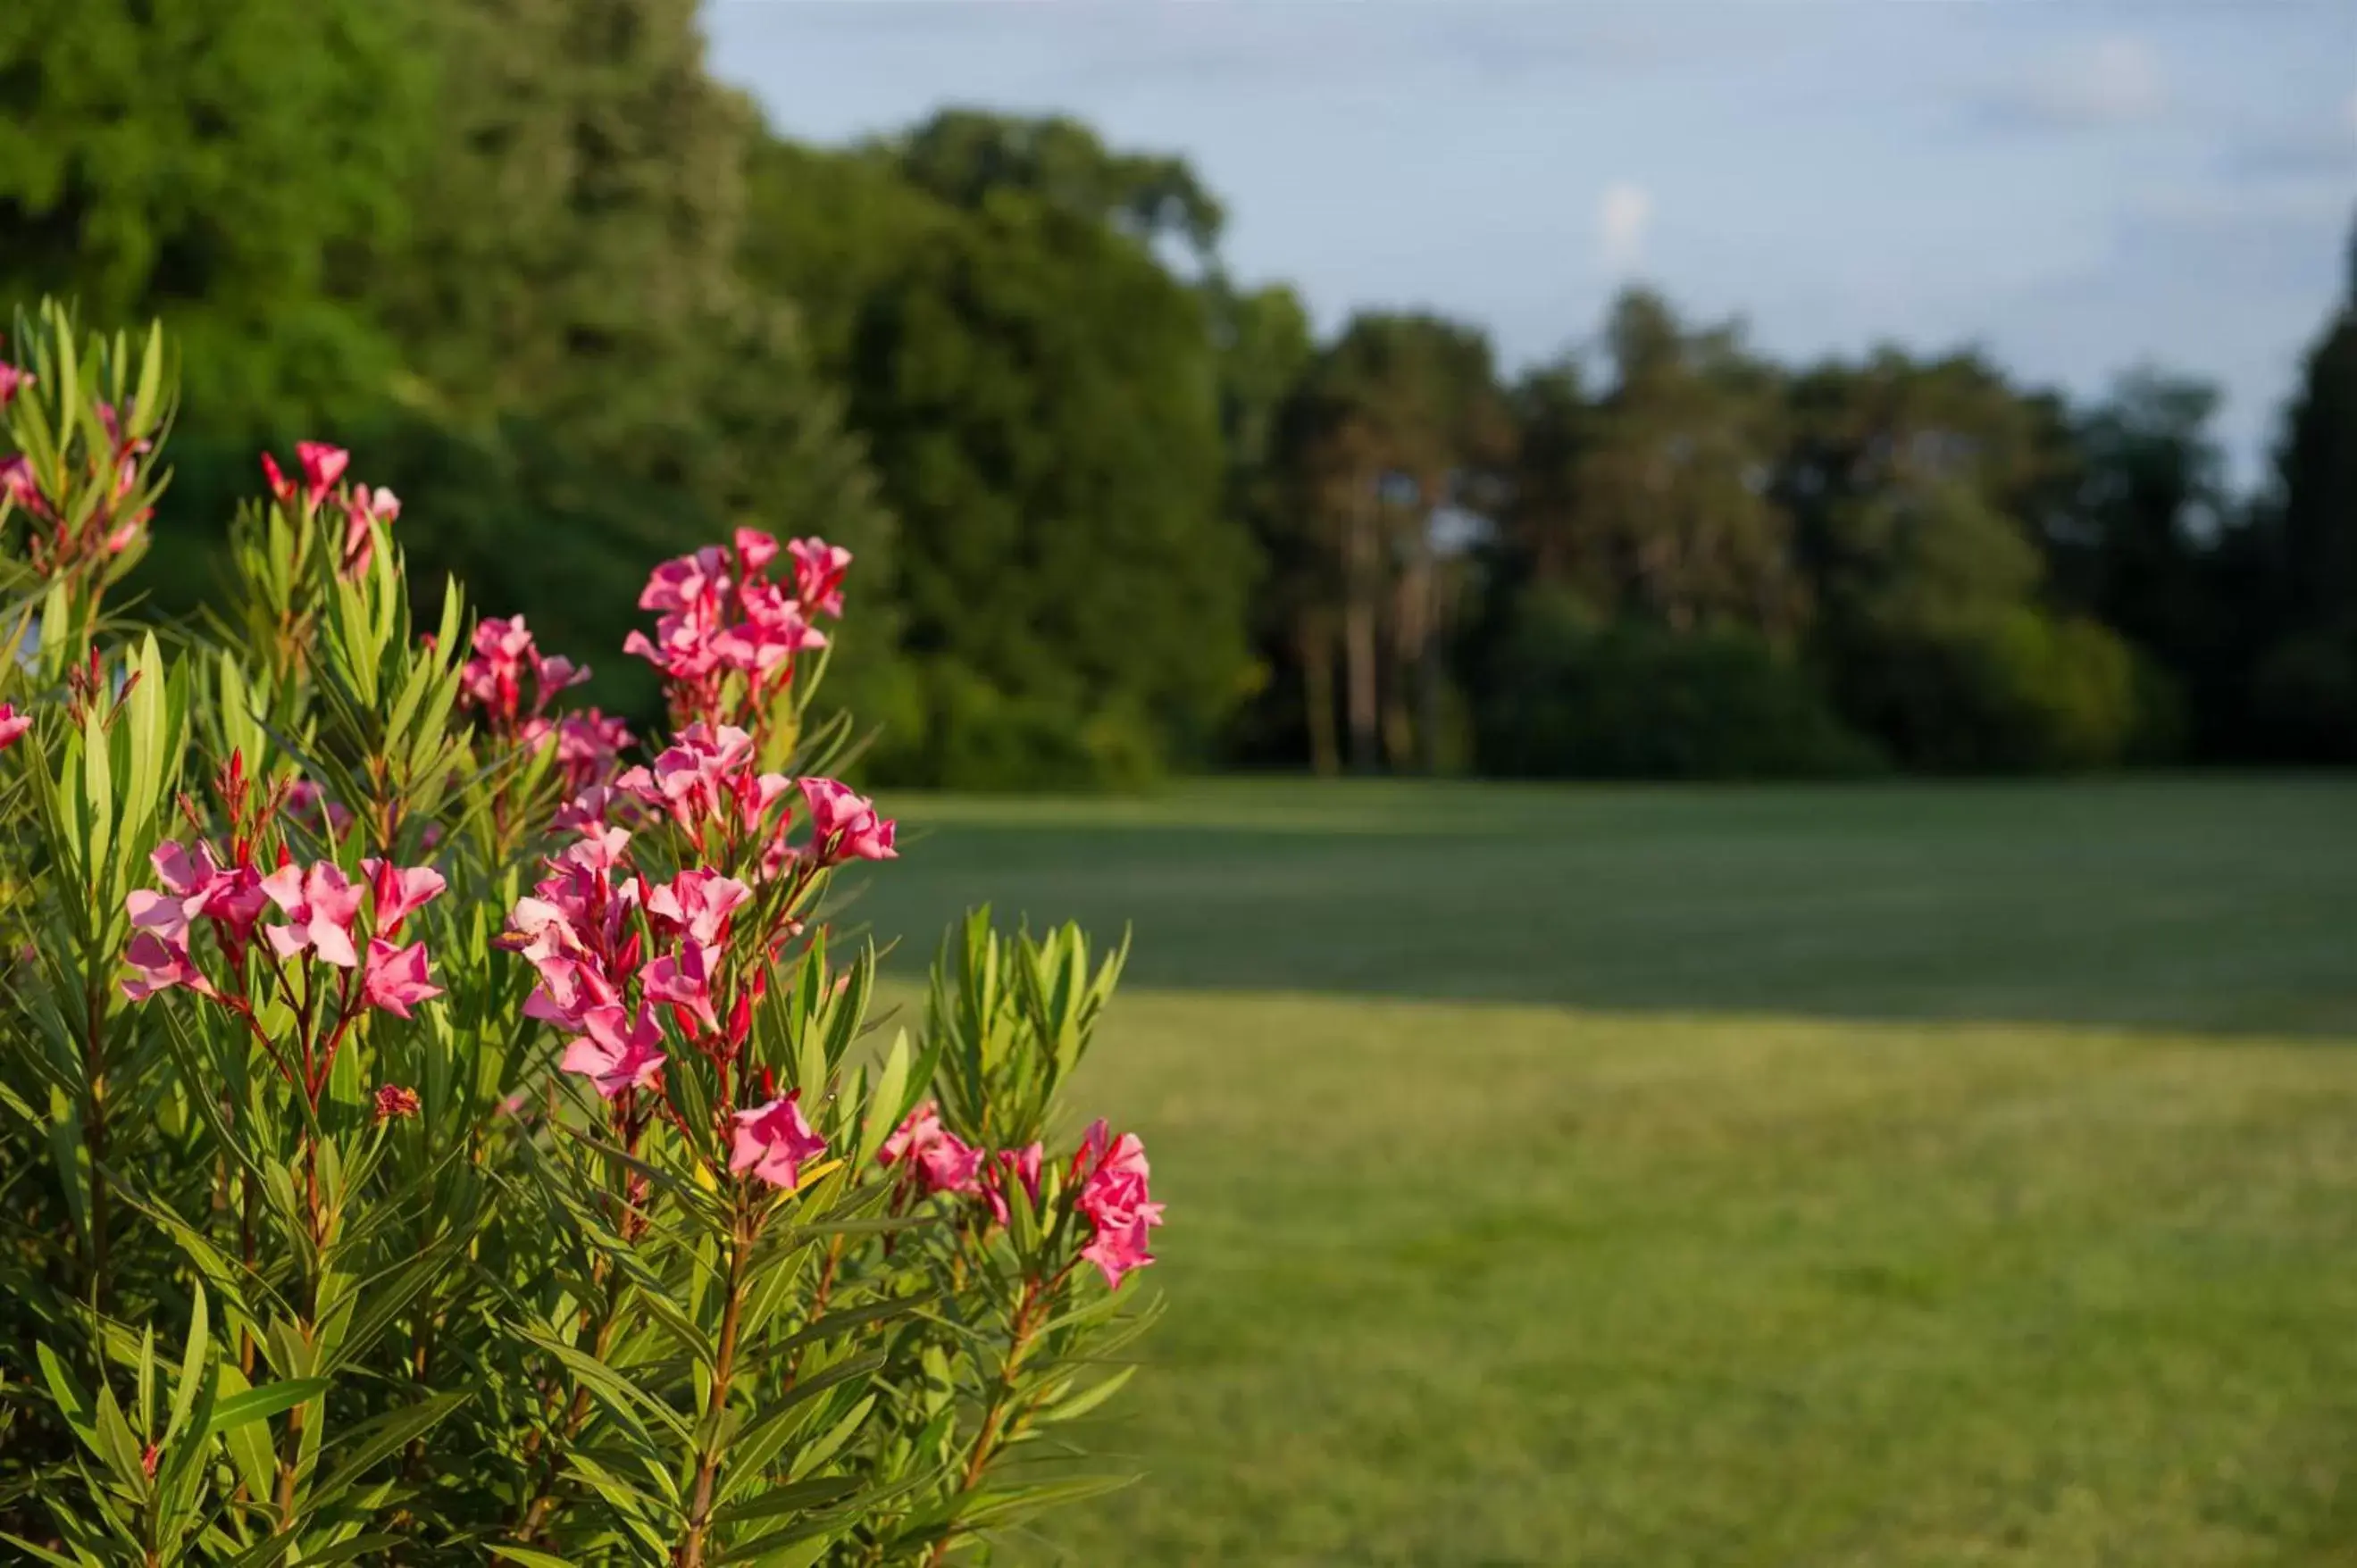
column 1115, row 512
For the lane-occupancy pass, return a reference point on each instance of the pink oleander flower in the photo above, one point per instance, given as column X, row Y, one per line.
column 685, row 582
column 320, row 905
column 589, row 746
column 395, row 893
column 322, row 465
column 161, row 963
column 493, row 681
column 617, row 1054
column 1114, row 1198
column 570, row 989
column 198, row 886
column 755, row 550
column 818, row 574
column 697, row 902
column 18, row 485
column 598, row 806
column 1018, row 1164
column 685, row 980
column 12, row 724
column 720, row 615
column 772, row 1141
column 844, row 825
column 363, row 509
column 944, row 1161
column 394, row 1103
column 12, row 380
column 395, row 977
column 703, row 773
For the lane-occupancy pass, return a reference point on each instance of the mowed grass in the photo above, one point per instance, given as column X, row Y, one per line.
column 1902, row 1176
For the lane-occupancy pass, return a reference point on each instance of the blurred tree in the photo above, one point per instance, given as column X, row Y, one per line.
column 1400, row 418
column 1042, row 399
column 2152, row 545
column 1658, row 497
column 2305, row 686
column 1923, row 492
column 232, row 166
column 963, row 155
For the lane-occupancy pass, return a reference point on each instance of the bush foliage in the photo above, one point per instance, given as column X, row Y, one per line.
column 428, row 1134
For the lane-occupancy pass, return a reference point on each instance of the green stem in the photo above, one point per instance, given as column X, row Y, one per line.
column 724, row 1371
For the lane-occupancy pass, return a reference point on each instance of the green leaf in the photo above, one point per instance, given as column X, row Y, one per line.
column 616, row 1389
column 795, row 1496
column 260, row 1404
column 526, row 1555
column 371, row 1441
column 1079, row 1404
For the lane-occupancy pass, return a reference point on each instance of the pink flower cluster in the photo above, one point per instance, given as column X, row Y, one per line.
column 940, row 1161
column 320, row 910
column 617, row 954
column 12, row 380
column 728, row 634
column 322, row 467
column 706, row 782
column 509, row 682
column 773, row 1141
column 12, row 724
column 1112, row 1174
column 107, row 531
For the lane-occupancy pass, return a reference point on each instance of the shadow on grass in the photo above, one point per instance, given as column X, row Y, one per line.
column 2216, row 905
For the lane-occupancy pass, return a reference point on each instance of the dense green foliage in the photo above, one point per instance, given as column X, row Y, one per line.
column 538, row 269
column 1911, row 1175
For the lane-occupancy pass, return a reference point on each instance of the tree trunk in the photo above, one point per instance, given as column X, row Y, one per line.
column 1314, row 637
column 1358, row 650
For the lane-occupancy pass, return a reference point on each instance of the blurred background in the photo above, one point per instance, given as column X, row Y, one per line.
column 1707, row 645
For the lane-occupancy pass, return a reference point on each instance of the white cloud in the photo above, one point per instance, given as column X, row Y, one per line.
column 2116, row 80
column 1623, row 214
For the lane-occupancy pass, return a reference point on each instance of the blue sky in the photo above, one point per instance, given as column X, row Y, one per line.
column 2076, row 188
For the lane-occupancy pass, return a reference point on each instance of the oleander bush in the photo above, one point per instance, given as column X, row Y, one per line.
column 437, row 1127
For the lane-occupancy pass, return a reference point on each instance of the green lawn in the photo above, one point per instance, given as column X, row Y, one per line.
column 1867, row 1176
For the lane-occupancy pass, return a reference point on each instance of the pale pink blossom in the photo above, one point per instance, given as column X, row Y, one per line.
column 755, row 549
column 159, row 964
column 395, row 977
column 844, row 825
column 588, row 746
column 773, row 1141
column 569, row 990
column 12, row 724
column 1114, row 1198
column 12, row 380
column 695, row 776
column 944, row 1161
column 494, row 680
column 818, row 574
column 322, row 465
column 363, row 509
column 684, row 979
column 320, row 905
column 697, row 902
column 617, row 1054
column 17, row 485
column 396, row 892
